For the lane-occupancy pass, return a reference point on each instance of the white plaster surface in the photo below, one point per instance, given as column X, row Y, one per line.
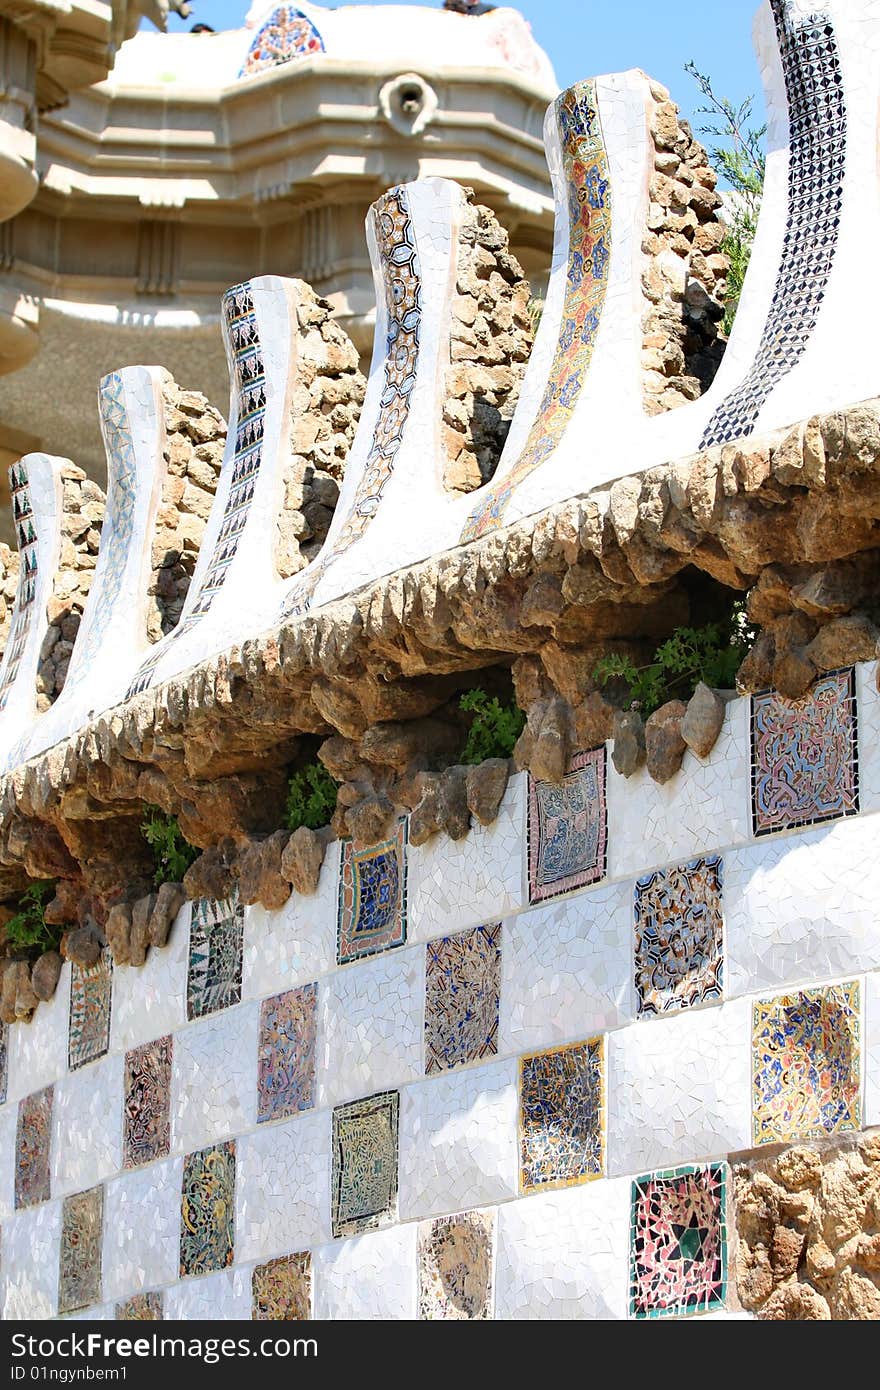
column 295, row 944
column 214, row 1078
column 566, row 969
column 282, row 1186
column 223, row 1297
column 453, row 885
column 38, row 1050
column 150, row 1000
column 87, row 1126
column 458, row 1141
column 678, row 1089
column 564, row 1254
column 371, row 1027
column 31, row 1244
column 368, row 1277
column 142, row 1229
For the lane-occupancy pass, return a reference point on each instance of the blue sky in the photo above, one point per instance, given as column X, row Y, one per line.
column 588, row 37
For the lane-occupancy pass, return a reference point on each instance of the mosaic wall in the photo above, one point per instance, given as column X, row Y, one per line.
column 379, row 1102
column 818, row 122
column 287, row 34
column 22, row 515
column 585, row 169
column 399, row 260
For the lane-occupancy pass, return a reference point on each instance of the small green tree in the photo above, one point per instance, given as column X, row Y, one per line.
column 713, row 654
column 494, row 729
column 311, row 797
column 28, row 930
column 172, row 854
column 738, row 158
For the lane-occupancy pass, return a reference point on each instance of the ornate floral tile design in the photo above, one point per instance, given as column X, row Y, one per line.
column 91, row 991
column 286, row 1062
column 371, row 913
column 216, row 944
column 804, row 755
column 282, row 1289
column 806, row 1065
column 365, row 1160
column 463, row 980
column 679, row 937
column 455, row 1257
column 562, row 1116
column 678, row 1242
column 141, row 1307
column 147, row 1105
column 285, row 35
column 82, row 1230
column 32, row 1143
column 207, row 1210
column 568, row 828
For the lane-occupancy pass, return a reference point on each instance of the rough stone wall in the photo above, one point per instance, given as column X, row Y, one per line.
column 808, row 1226
column 8, row 584
column 685, row 280
column 326, row 401
column 82, row 517
column 195, row 436
column 492, row 336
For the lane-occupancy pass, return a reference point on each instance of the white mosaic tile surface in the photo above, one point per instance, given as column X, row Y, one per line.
column 38, row 1050
column 142, row 1254
column 371, row 1277
column 469, row 882
column 679, row 1089
column 150, row 1000
column 566, row 969
column 371, row 1026
column 31, row 1244
column 87, row 1126
column 282, row 1187
column 868, row 704
column 564, row 1254
column 223, row 1297
column 297, row 943
column 458, row 1141
column 214, row 1078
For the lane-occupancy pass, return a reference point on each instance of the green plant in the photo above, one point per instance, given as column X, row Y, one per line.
column 494, row 728
column 311, row 797
column 740, row 162
column 712, row 654
column 172, row 854
column 28, row 930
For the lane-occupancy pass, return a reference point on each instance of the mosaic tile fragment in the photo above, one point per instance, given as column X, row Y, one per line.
column 4, row 1063
column 562, row 1120
column 91, row 990
column 32, row 1144
column 82, row 1229
column 567, row 828
column 372, row 897
column 216, row 946
column 147, row 1102
column 282, row 1289
column 455, row 1255
column 365, row 1164
column 286, row 1060
column 141, row 1307
column 462, row 984
column 679, row 937
column 678, row 1242
column 806, row 1067
column 804, row 755
column 207, row 1210
column 287, row 34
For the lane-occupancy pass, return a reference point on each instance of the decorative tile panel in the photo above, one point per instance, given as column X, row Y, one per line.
column 371, row 913
column 679, row 937
column 32, row 1147
column 285, row 35
column 813, row 77
column 804, row 759
column 91, row 991
column 147, row 1115
column 806, row 1064
column 463, row 979
column 365, row 1156
column 455, row 1256
column 4, row 1063
column 286, row 1061
column 562, row 1116
column 567, row 830
column 82, row 1229
column 678, row 1242
column 216, row 945
column 282, row 1289
column 207, row 1210
column 586, row 172
column 141, row 1307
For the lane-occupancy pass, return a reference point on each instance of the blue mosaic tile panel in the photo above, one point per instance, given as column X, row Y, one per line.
column 568, row 828
column 562, row 1116
column 462, row 988
column 286, row 1060
column 91, row 993
column 207, row 1210
column 216, row 947
column 371, row 914
column 679, row 937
